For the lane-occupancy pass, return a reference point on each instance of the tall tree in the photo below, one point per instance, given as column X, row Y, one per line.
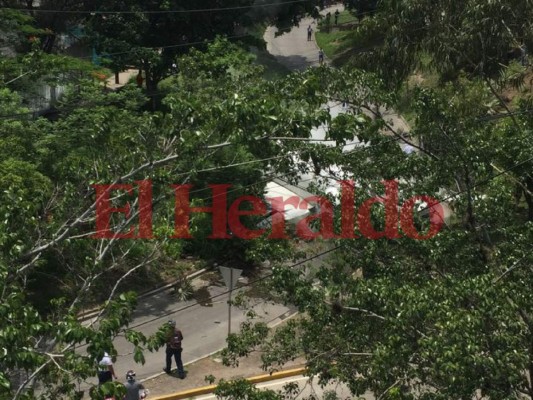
column 478, row 38
column 220, row 112
column 156, row 32
column 447, row 317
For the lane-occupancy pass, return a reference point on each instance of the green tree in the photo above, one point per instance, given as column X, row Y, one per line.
column 447, row 317
column 479, row 38
column 217, row 129
column 157, row 32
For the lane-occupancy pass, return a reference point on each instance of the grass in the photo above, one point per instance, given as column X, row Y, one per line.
column 331, row 42
column 345, row 17
column 273, row 69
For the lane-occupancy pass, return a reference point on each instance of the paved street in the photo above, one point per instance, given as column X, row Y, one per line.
column 294, row 51
column 204, row 326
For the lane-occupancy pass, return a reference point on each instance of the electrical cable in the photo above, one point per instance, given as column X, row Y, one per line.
column 167, row 313
column 189, row 11
column 177, row 310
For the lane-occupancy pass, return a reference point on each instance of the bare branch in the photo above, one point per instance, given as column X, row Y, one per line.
column 510, row 269
column 29, row 379
column 389, row 388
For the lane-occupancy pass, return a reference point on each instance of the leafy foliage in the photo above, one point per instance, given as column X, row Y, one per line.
column 478, row 37
column 442, row 318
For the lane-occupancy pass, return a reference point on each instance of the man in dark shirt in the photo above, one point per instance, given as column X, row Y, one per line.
column 174, row 338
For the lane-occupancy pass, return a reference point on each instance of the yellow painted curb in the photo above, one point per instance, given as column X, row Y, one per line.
column 186, row 394
column 277, row 375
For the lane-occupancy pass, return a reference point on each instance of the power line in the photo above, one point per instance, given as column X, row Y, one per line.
column 482, row 183
column 318, row 255
column 170, row 46
column 189, row 11
column 494, row 117
column 335, row 248
column 177, row 310
column 170, row 312
column 166, row 314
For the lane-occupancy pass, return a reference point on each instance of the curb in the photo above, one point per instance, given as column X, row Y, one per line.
column 254, row 379
column 271, row 324
column 184, row 365
column 95, row 311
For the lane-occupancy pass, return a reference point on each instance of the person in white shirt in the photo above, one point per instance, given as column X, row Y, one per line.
column 106, row 372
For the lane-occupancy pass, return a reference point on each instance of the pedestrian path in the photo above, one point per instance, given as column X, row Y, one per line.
column 204, row 325
column 124, row 78
column 292, row 49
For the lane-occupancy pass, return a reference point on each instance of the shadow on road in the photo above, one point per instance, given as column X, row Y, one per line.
column 298, row 62
column 203, row 297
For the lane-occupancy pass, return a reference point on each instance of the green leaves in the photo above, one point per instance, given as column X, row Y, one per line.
column 243, row 390
column 240, row 345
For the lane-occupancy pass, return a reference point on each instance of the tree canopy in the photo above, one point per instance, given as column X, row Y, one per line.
column 447, row 317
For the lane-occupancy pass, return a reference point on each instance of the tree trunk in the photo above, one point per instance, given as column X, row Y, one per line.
column 529, row 198
column 151, row 91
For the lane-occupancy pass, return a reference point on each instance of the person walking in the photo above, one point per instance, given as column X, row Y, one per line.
column 309, row 33
column 174, row 348
column 106, row 372
column 133, row 388
column 320, row 56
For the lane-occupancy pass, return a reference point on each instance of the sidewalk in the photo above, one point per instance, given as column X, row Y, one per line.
column 203, row 321
column 197, row 371
column 124, row 77
column 292, row 49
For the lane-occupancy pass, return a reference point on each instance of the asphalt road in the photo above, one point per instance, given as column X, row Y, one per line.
column 204, row 326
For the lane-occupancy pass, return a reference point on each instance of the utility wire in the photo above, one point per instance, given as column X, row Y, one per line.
column 325, row 252
column 482, row 183
column 181, row 309
column 166, row 314
column 177, row 310
column 189, row 11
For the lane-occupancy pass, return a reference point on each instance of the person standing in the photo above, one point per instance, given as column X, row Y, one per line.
column 133, row 387
column 309, row 33
column 174, row 348
column 337, row 17
column 140, row 79
column 320, row 56
column 106, row 372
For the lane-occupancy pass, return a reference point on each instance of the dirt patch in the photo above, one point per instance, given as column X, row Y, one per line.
column 196, row 373
column 510, row 93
